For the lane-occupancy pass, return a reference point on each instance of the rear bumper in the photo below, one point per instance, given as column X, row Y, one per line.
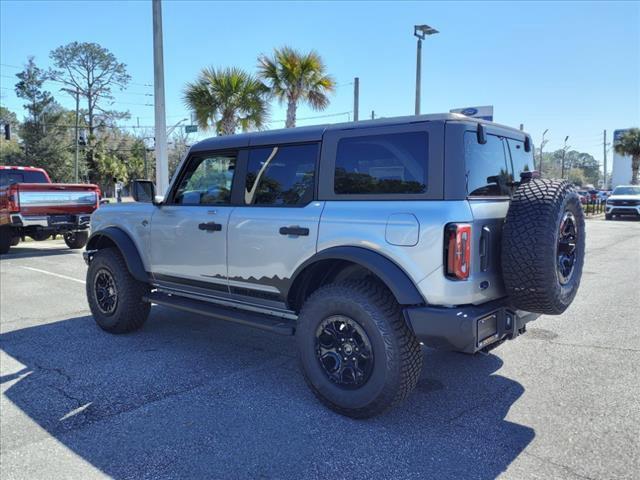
column 467, row 328
column 53, row 222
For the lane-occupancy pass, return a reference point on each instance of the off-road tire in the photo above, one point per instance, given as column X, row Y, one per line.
column 530, row 246
column 5, row 239
column 15, row 240
column 130, row 311
column 75, row 240
column 397, row 356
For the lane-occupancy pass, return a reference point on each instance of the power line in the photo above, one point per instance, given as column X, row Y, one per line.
column 315, row 117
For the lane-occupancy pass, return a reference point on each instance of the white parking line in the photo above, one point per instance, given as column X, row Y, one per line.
column 54, row 274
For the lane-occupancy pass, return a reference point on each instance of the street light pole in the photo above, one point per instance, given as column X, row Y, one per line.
column 162, row 161
column 420, row 32
column 418, row 75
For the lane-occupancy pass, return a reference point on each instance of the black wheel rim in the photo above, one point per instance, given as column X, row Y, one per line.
column 344, row 352
column 566, row 252
column 106, row 291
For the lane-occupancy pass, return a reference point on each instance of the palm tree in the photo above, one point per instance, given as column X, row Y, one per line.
column 629, row 144
column 293, row 77
column 228, row 99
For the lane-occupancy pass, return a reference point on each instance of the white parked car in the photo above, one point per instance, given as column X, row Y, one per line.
column 625, row 200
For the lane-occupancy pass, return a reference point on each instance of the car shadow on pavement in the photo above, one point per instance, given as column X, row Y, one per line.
column 187, row 397
column 24, row 252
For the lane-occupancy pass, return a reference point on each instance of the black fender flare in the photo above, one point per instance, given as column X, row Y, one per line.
column 127, row 248
column 394, row 277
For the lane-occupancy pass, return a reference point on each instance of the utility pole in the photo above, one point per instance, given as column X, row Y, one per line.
column 75, row 163
column 356, row 98
column 162, row 161
column 564, row 151
column 542, row 144
column 373, row 115
column 522, row 127
column 76, row 93
column 420, row 32
column 604, row 152
column 146, row 165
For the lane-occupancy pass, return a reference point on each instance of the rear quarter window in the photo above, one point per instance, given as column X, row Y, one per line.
column 521, row 160
column 488, row 172
column 382, row 164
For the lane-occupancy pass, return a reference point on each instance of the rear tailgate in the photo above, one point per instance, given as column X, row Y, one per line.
column 57, row 198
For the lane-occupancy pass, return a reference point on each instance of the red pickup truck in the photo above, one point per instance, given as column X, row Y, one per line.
column 32, row 206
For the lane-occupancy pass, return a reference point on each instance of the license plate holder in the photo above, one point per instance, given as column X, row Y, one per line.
column 61, row 219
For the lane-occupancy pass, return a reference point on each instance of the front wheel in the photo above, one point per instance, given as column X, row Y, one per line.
column 75, row 240
column 357, row 354
column 116, row 299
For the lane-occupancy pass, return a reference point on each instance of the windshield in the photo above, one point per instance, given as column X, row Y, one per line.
column 627, row 191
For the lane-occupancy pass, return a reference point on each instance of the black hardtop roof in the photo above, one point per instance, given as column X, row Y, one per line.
column 314, row 133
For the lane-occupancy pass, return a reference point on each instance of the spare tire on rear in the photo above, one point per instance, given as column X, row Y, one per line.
column 543, row 243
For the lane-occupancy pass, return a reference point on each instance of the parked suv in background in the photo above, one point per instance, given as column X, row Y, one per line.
column 362, row 239
column 625, row 200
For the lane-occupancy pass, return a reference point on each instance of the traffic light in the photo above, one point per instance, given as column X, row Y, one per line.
column 7, row 131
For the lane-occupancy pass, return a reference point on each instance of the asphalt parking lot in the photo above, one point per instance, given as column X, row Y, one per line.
column 189, row 397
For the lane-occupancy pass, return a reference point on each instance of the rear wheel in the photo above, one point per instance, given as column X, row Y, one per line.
column 357, row 354
column 115, row 297
column 6, row 239
column 76, row 239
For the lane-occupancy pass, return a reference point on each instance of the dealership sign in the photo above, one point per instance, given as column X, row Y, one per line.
column 485, row 113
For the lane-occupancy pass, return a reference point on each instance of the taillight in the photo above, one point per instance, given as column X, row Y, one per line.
column 14, row 200
column 458, row 250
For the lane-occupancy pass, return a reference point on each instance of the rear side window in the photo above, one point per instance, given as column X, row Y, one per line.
column 382, row 164
column 282, row 175
column 522, row 161
column 21, row 176
column 488, row 174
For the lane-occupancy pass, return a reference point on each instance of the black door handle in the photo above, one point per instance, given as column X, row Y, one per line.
column 294, row 230
column 210, row 226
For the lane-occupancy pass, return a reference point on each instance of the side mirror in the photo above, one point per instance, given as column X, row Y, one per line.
column 143, row 191
column 527, row 143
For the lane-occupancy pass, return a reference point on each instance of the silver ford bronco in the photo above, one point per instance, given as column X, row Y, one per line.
column 364, row 240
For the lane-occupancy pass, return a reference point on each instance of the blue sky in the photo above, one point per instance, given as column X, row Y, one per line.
column 572, row 67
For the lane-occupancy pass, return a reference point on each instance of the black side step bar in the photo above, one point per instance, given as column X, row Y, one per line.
column 277, row 325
